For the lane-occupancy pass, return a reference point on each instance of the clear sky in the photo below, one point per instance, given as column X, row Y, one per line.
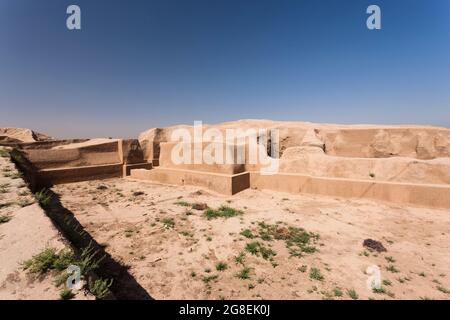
column 141, row 64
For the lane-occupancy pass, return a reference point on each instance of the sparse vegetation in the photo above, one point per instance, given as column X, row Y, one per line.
column 390, row 259
column 222, row 212
column 168, row 222
column 183, row 203
column 387, row 282
column 49, row 259
column 380, row 290
column 43, row 197
column 258, row 249
column 66, row 294
column 352, row 294
column 100, row 288
column 247, row 233
column 338, row 292
column 240, row 258
column 208, row 279
column 315, row 274
column 221, row 266
column 298, row 241
column 392, row 268
column 244, row 273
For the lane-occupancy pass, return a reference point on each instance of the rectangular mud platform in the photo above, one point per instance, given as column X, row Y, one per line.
column 228, row 184
column 430, row 195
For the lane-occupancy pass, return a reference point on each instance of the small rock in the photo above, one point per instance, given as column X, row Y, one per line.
column 200, row 206
column 374, row 245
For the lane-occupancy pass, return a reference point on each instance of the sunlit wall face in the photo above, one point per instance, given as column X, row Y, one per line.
column 140, row 64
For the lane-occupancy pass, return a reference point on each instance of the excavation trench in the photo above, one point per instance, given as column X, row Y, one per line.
column 124, row 286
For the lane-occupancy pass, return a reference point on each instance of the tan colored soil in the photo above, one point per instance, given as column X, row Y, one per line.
column 28, row 233
column 164, row 259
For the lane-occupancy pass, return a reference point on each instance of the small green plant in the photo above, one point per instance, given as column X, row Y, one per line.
column 244, row 273
column 380, row 290
column 168, row 222
column 298, row 241
column 49, row 259
column 183, row 203
column 240, row 258
column 208, row 279
column 315, row 274
column 364, row 253
column 4, row 219
column 41, row 262
column 193, row 274
column 352, row 294
column 66, row 294
column 338, row 292
column 251, row 286
column 100, row 288
column 258, row 249
column 392, row 268
column 43, row 197
column 88, row 260
column 221, row 266
column 247, row 233
column 390, row 259
column 221, row 212
column 387, row 282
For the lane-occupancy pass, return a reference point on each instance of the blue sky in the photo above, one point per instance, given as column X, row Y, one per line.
column 140, row 64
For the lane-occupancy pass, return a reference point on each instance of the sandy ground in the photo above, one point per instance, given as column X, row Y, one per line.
column 28, row 232
column 173, row 250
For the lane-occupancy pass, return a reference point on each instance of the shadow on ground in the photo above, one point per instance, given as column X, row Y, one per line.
column 125, row 286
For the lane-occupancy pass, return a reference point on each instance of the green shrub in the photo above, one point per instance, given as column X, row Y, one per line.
column 244, row 273
column 100, row 288
column 315, row 274
column 221, row 266
column 222, row 212
column 66, row 294
column 43, row 197
column 259, row 249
